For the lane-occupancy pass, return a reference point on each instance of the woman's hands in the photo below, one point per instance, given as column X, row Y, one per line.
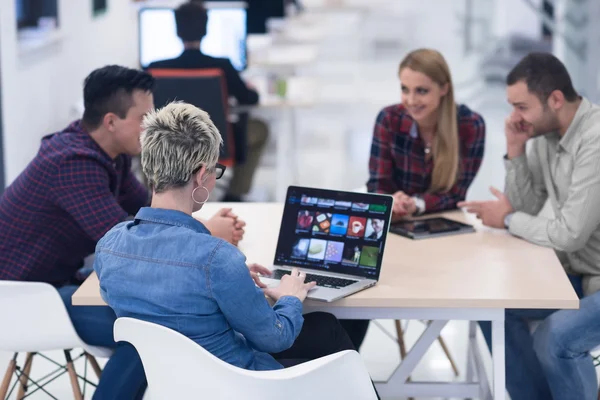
column 404, row 206
column 256, row 271
column 291, row 285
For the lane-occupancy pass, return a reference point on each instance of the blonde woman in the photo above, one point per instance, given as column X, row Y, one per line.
column 427, row 150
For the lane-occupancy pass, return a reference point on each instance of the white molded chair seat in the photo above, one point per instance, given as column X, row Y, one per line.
column 178, row 368
column 34, row 320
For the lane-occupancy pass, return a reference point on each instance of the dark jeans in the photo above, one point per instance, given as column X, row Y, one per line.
column 357, row 330
column 322, row 334
column 123, row 377
column 554, row 362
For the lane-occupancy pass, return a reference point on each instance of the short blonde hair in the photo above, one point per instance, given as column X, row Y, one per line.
column 177, row 140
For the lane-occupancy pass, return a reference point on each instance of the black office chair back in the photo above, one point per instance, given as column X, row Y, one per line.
column 204, row 88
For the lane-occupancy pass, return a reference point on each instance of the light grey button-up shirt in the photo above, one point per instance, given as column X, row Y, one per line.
column 567, row 171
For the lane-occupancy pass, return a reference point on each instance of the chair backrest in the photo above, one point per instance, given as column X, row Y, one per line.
column 34, row 318
column 204, row 88
column 176, row 367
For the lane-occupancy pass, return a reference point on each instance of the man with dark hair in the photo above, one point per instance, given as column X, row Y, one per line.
column 543, row 73
column 562, row 166
column 191, row 19
column 78, row 187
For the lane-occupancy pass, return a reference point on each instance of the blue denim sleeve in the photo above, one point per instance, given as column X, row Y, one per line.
column 266, row 328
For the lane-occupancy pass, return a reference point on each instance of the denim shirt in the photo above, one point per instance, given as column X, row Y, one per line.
column 165, row 267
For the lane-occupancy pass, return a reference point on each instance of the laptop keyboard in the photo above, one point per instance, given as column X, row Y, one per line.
column 325, row 281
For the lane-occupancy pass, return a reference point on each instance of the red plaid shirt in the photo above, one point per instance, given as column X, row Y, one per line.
column 398, row 157
column 67, row 198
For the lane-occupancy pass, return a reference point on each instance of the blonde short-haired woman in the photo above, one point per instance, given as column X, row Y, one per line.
column 165, row 266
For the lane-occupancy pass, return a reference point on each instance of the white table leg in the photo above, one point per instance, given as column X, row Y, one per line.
column 498, row 352
column 470, row 357
column 396, row 385
column 284, row 147
column 294, row 148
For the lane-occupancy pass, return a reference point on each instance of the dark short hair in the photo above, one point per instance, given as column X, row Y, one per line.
column 543, row 73
column 109, row 89
column 191, row 19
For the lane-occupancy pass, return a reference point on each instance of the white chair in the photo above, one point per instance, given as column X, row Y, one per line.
column 34, row 319
column 178, row 368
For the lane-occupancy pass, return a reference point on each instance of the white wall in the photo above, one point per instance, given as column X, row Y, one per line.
column 585, row 73
column 40, row 88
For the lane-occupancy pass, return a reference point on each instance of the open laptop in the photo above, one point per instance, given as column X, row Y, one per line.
column 336, row 238
column 225, row 34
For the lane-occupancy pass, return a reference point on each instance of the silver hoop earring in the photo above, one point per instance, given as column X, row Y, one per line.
column 207, row 195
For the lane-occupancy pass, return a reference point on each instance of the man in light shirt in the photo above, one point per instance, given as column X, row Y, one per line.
column 563, row 167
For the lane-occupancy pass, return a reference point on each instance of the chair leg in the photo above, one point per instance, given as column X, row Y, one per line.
column 447, row 351
column 26, row 374
column 400, row 335
column 73, row 376
column 92, row 360
column 10, row 370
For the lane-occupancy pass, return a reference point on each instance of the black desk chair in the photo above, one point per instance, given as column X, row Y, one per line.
column 205, row 89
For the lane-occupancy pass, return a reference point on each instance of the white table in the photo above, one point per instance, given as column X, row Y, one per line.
column 465, row 277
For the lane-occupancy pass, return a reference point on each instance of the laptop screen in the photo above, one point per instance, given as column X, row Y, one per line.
column 333, row 231
column 225, row 37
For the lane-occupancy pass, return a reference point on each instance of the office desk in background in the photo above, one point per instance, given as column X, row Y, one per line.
column 307, row 29
column 281, row 112
column 286, row 57
column 465, row 277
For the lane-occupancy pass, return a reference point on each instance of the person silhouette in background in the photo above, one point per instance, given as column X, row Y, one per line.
column 191, row 19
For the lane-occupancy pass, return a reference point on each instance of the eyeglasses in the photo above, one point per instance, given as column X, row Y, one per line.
column 219, row 170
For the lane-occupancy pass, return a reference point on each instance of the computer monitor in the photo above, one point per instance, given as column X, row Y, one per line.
column 261, row 11
column 225, row 36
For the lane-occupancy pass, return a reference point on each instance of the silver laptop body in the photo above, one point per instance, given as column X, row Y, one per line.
column 337, row 238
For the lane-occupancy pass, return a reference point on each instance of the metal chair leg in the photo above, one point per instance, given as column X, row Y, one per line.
column 23, row 384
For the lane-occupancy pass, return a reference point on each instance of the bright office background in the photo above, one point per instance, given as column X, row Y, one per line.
column 42, row 70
